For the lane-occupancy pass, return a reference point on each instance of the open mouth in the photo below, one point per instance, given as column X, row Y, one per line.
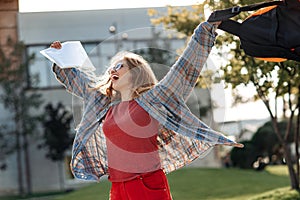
column 114, row 77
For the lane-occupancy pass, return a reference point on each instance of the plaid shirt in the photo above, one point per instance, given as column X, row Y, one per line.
column 182, row 136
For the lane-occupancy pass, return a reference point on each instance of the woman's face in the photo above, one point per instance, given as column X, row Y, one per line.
column 120, row 77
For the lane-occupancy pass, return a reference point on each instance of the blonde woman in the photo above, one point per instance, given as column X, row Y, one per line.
column 135, row 129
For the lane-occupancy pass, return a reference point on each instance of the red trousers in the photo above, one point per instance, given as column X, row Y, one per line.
column 150, row 186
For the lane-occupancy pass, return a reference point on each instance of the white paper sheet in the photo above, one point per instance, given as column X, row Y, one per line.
column 72, row 54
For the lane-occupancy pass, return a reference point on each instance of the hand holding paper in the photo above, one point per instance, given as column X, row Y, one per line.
column 71, row 54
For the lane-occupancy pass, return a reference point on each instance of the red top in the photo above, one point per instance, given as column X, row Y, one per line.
column 131, row 139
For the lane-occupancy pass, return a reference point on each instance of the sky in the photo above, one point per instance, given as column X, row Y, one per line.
column 68, row 5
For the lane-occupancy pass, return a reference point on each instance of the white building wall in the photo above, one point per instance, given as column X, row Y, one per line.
column 81, row 25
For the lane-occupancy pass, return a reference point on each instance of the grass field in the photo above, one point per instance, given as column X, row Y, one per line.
column 207, row 184
column 211, row 184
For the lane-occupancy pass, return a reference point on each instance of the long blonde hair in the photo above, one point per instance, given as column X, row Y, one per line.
column 142, row 75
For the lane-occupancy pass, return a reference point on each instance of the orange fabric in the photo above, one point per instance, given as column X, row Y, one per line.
column 273, row 59
column 262, row 11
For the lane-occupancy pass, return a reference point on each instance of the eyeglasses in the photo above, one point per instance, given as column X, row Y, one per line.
column 117, row 67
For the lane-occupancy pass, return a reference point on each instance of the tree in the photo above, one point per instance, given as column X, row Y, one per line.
column 20, row 102
column 272, row 81
column 267, row 143
column 6, row 146
column 263, row 144
column 57, row 135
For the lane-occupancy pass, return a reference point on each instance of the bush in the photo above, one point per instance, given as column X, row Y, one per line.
column 245, row 157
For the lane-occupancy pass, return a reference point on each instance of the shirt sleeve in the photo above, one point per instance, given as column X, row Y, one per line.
column 74, row 80
column 184, row 74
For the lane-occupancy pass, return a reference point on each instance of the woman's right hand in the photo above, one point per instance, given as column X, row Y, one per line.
column 56, row 45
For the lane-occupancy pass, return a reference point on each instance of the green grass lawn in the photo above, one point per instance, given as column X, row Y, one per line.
column 207, row 184
column 211, row 184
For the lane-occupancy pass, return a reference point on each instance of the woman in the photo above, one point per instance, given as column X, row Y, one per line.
column 136, row 129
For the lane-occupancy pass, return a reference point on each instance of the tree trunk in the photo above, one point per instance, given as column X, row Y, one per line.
column 27, row 165
column 61, row 175
column 19, row 149
column 297, row 138
column 288, row 156
column 293, row 177
column 19, row 164
column 283, row 108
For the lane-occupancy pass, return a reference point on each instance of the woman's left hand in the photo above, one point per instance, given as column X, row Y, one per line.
column 238, row 145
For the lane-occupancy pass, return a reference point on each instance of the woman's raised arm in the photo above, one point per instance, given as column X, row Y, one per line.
column 184, row 74
column 73, row 79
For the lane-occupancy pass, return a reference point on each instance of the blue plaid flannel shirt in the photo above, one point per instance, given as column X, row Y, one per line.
column 182, row 136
